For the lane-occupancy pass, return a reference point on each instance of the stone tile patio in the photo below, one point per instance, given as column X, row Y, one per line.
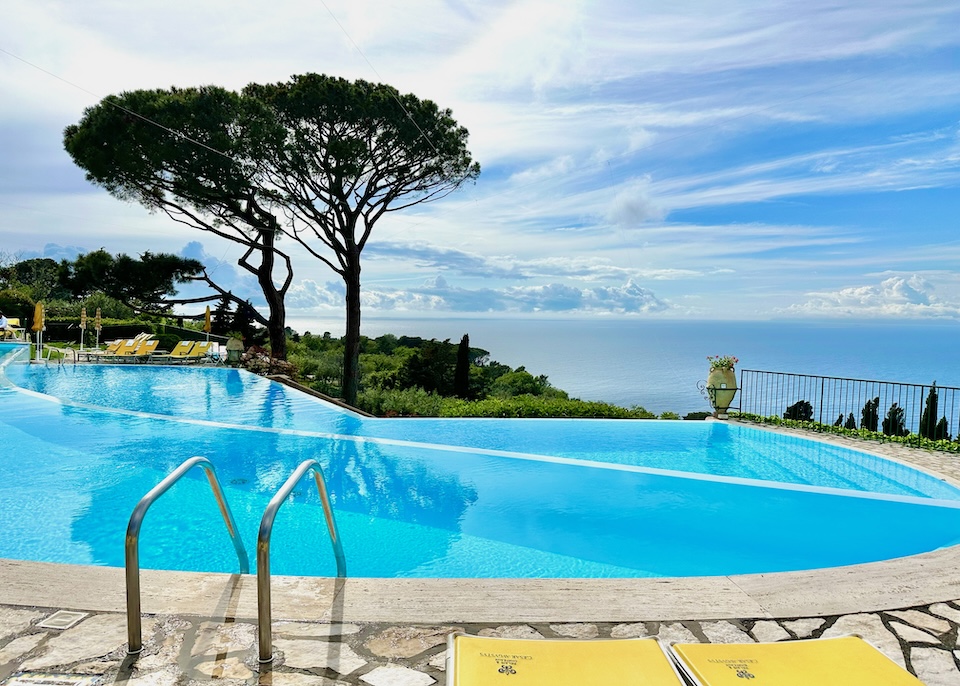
column 181, row 649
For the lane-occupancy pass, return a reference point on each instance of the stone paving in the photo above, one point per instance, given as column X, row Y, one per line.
column 184, row 650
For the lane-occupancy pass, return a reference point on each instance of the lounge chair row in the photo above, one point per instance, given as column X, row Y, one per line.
column 142, row 348
column 846, row 661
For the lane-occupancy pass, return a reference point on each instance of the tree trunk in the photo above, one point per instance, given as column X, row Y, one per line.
column 351, row 342
column 276, row 324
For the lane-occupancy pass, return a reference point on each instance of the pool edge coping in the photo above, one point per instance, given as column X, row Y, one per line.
column 887, row 585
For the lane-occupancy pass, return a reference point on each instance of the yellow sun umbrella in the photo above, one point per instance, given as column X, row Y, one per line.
column 96, row 325
column 83, row 324
column 37, row 317
column 38, row 327
column 206, row 322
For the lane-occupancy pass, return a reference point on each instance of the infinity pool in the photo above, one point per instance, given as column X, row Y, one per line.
column 430, row 497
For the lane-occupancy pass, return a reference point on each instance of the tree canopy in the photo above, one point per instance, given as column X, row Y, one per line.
column 354, row 151
column 317, row 159
column 194, row 154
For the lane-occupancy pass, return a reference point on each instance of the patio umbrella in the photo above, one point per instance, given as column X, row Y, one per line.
column 96, row 325
column 38, row 326
column 83, row 324
column 206, row 323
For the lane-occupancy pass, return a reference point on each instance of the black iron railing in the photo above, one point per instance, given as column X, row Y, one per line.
column 887, row 407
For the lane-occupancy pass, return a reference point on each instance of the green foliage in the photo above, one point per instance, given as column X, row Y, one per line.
column 942, row 432
column 914, row 440
column 38, row 278
column 110, row 308
column 221, row 317
column 461, row 375
column 522, row 382
column 869, row 416
column 382, row 370
column 928, row 420
column 431, row 367
column 167, row 341
column 894, row 423
column 143, row 283
column 323, row 367
column 407, row 402
column 538, row 406
column 669, row 415
column 696, row 416
column 800, row 410
column 16, row 302
column 851, row 423
column 212, row 180
column 391, row 365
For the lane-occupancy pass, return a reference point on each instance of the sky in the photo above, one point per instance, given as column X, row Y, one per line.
column 688, row 160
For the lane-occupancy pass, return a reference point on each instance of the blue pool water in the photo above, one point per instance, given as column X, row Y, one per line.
column 434, row 498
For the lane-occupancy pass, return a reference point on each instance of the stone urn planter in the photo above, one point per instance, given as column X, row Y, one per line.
column 234, row 349
column 722, row 383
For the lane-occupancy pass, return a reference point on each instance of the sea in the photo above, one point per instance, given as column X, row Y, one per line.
column 658, row 363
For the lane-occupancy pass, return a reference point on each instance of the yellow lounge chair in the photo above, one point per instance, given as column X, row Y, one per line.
column 180, row 351
column 202, row 349
column 479, row 661
column 144, row 350
column 846, row 661
column 111, row 349
column 13, row 331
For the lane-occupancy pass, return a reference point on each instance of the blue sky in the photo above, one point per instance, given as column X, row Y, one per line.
column 736, row 160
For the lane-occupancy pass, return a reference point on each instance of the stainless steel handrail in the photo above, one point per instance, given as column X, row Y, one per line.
column 132, row 563
column 264, row 611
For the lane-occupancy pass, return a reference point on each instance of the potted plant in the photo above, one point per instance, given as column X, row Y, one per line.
column 722, row 383
column 234, row 347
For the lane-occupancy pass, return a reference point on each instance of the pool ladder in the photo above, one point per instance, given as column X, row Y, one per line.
column 132, row 555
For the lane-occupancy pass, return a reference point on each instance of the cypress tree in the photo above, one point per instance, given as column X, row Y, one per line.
column 461, row 376
column 870, row 415
column 894, row 423
column 851, row 422
column 928, row 420
column 801, row 410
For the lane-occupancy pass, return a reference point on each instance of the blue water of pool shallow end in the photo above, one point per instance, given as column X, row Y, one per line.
column 436, row 498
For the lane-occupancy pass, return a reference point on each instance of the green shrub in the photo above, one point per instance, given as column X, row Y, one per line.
column 907, row 438
column 18, row 304
column 409, row 402
column 800, row 410
column 533, row 406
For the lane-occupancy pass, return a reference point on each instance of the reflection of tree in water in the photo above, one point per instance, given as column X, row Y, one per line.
column 390, row 482
column 418, row 501
column 395, row 512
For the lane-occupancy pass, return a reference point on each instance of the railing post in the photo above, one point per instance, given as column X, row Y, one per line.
column 820, row 420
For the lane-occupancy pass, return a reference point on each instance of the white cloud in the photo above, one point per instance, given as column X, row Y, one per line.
column 438, row 295
column 632, row 206
column 897, row 296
